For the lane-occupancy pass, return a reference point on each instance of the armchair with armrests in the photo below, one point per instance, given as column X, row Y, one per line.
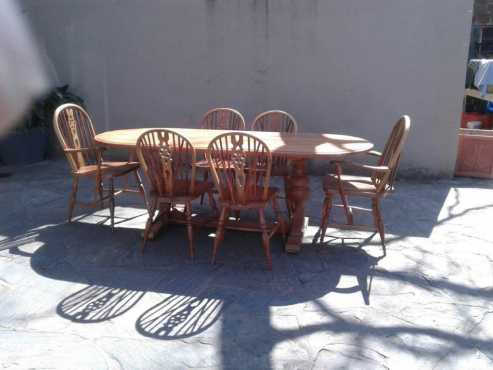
column 376, row 185
column 75, row 132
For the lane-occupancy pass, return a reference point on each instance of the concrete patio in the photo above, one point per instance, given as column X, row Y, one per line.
column 77, row 296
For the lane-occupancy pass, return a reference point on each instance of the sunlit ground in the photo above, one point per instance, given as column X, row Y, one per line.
column 78, row 296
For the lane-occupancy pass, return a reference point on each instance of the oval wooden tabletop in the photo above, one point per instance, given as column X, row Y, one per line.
column 300, row 145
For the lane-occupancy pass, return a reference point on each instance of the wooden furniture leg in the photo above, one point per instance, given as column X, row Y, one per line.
column 212, row 202
column 219, row 233
column 99, row 190
column 298, row 193
column 205, row 178
column 149, row 224
column 377, row 218
column 73, row 197
column 140, row 185
column 265, row 238
column 344, row 198
column 161, row 220
column 132, row 155
column 279, row 218
column 112, row 203
column 286, row 198
column 188, row 211
column 325, row 216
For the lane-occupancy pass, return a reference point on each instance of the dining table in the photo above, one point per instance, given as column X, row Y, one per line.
column 299, row 148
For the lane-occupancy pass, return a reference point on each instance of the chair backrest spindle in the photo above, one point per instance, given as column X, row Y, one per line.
column 276, row 121
column 168, row 159
column 241, row 165
column 223, row 119
column 75, row 132
column 391, row 155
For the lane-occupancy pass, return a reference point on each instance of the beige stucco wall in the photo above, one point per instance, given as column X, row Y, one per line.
column 349, row 66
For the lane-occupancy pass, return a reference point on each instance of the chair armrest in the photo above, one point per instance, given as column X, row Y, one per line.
column 367, row 166
column 81, row 150
column 374, row 153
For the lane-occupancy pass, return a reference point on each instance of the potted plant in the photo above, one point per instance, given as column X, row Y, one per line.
column 28, row 142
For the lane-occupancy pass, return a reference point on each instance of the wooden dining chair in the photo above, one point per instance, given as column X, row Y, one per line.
column 75, row 132
column 241, row 168
column 168, row 160
column 219, row 119
column 375, row 186
column 223, row 119
column 283, row 122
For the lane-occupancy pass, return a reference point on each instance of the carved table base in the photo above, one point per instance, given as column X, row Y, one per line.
column 298, row 193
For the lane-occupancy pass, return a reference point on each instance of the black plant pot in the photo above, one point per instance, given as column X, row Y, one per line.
column 24, row 147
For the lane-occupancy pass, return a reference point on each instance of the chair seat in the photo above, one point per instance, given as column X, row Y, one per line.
column 361, row 185
column 182, row 189
column 253, row 200
column 108, row 168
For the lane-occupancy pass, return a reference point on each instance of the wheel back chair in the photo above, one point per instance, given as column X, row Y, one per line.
column 75, row 132
column 241, row 168
column 168, row 160
column 283, row 122
column 378, row 184
column 219, row 119
column 223, row 119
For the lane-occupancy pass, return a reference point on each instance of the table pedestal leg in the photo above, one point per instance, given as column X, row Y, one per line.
column 298, row 193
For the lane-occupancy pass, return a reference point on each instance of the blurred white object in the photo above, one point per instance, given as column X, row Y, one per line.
column 22, row 77
column 484, row 76
column 474, row 124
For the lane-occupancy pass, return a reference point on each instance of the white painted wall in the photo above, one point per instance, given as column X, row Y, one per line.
column 341, row 66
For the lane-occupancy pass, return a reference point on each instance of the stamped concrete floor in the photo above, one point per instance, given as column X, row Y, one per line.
column 77, row 296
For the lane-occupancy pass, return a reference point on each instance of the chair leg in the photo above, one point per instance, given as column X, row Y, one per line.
column 219, row 233
column 150, row 219
column 325, row 216
column 112, row 202
column 99, row 190
column 126, row 178
column 212, row 201
column 73, row 197
column 188, row 211
column 265, row 238
column 347, row 209
column 140, row 185
column 377, row 218
column 165, row 214
column 205, row 178
column 286, row 197
column 279, row 218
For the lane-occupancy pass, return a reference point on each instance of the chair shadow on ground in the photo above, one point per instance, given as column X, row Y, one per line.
column 178, row 317
column 363, row 268
column 238, row 284
column 94, row 304
column 184, row 311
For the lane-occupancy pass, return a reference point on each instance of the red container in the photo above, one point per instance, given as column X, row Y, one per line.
column 485, row 119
